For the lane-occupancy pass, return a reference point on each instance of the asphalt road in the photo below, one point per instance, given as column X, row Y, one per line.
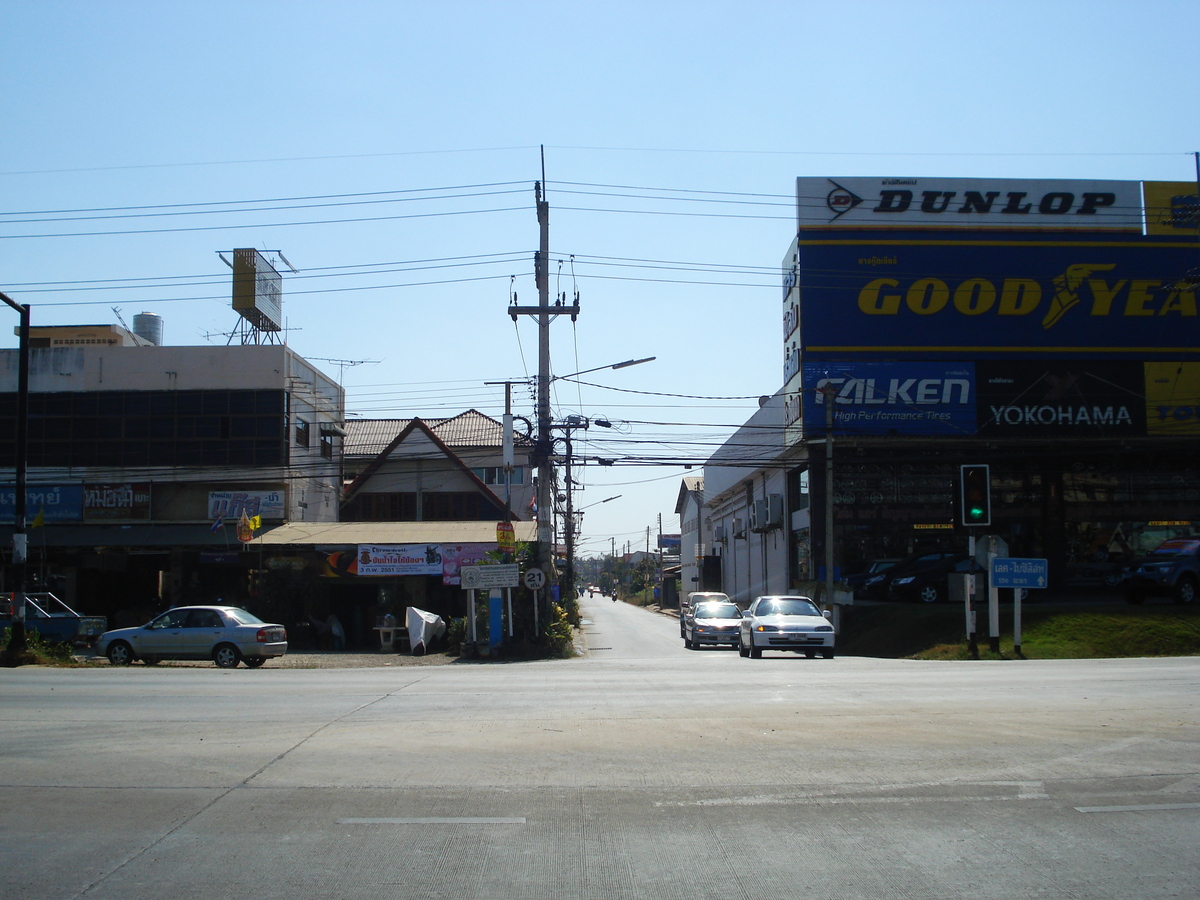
column 642, row 770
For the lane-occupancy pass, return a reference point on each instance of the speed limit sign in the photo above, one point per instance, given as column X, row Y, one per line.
column 535, row 579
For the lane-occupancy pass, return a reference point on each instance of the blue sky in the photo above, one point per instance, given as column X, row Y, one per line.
column 673, row 133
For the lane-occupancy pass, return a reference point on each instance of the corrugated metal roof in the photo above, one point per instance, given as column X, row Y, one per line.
column 370, row 437
column 300, row 534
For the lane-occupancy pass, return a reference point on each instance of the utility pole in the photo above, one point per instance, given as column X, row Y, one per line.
column 544, row 445
column 17, row 641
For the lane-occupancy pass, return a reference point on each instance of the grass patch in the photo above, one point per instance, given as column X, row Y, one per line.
column 39, row 652
column 1050, row 631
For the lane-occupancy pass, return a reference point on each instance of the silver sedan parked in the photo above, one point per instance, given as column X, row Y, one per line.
column 785, row 623
column 225, row 634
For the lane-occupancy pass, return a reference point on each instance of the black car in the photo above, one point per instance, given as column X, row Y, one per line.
column 1172, row 569
column 858, row 581
column 930, row 583
column 877, row 586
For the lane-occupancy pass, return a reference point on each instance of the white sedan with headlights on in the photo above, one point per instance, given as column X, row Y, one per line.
column 785, row 623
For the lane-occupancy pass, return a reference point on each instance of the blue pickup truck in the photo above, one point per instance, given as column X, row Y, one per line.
column 53, row 620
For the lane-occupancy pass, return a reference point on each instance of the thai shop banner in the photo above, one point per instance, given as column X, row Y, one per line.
column 953, row 297
column 1061, row 399
column 116, row 501
column 399, row 559
column 53, row 502
column 891, row 398
column 455, row 556
column 231, row 504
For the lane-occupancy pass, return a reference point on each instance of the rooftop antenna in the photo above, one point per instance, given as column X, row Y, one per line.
column 136, row 340
column 343, row 364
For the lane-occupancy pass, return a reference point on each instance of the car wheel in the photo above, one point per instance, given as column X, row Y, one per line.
column 120, row 653
column 929, row 593
column 742, row 651
column 687, row 642
column 755, row 652
column 253, row 662
column 828, row 654
column 227, row 656
column 1134, row 597
column 1185, row 591
column 811, row 654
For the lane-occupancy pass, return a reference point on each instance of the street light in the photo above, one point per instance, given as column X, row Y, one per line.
column 620, row 365
column 598, row 502
column 544, row 450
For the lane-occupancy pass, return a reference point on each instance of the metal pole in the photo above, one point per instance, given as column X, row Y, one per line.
column 20, row 545
column 545, row 442
column 569, row 530
column 830, row 395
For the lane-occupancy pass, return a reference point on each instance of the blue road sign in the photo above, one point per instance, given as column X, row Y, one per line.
column 1014, row 572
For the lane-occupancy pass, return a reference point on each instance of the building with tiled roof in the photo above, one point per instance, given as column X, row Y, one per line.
column 443, row 469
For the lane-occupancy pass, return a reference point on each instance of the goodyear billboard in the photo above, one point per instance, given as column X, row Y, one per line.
column 1004, row 398
column 946, row 296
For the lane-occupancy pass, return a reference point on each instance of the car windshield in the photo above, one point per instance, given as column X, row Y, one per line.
column 787, row 606
column 1176, row 548
column 241, row 617
column 717, row 611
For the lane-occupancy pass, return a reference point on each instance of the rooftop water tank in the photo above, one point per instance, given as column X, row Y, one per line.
column 149, row 327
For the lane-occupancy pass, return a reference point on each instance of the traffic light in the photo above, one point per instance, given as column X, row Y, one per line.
column 975, row 495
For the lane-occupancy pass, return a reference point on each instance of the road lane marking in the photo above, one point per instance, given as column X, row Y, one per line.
column 438, row 820
column 1149, row 807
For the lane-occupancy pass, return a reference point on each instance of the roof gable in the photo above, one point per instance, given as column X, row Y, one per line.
column 416, row 432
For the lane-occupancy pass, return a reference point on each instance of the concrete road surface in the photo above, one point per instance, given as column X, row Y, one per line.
column 642, row 770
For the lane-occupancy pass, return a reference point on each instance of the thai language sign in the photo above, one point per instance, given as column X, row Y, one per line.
column 399, row 559
column 231, row 504
column 116, row 501
column 53, row 502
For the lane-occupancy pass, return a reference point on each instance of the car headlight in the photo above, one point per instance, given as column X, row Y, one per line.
column 766, row 628
column 909, row 580
column 823, row 628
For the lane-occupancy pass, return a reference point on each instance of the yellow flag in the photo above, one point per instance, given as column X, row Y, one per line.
column 40, row 519
column 256, row 523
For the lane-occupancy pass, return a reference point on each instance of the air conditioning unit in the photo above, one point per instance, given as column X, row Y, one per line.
column 739, row 528
column 758, row 516
column 774, row 510
column 719, row 533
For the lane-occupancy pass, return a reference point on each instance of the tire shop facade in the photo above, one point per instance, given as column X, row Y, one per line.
column 1045, row 328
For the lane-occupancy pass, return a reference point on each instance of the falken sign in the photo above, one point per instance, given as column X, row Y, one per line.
column 1002, row 298
column 891, row 398
column 985, row 399
column 941, row 203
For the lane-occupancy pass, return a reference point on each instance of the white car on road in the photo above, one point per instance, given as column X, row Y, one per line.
column 785, row 623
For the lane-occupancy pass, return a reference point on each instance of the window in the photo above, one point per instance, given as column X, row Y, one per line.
column 326, row 443
column 302, row 429
column 495, row 475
